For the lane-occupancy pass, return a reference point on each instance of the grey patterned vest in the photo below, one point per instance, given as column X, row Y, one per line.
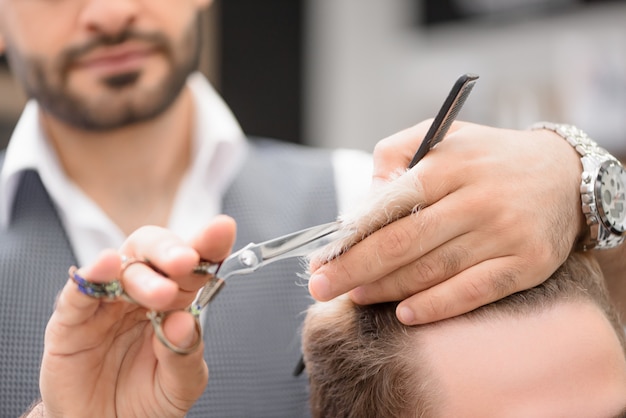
column 252, row 327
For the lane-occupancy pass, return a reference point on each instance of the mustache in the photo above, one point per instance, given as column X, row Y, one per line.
column 72, row 54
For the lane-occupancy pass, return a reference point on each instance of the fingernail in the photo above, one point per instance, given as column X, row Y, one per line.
column 405, row 315
column 319, row 286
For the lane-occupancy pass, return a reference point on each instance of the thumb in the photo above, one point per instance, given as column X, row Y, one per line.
column 182, row 377
column 393, row 154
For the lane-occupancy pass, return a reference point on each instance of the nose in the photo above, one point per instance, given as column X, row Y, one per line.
column 109, row 17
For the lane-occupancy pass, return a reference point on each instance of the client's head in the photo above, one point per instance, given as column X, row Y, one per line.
column 553, row 350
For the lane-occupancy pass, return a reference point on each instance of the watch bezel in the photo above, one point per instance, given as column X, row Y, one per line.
column 605, row 218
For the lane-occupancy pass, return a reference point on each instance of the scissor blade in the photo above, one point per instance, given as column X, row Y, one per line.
column 253, row 256
column 296, row 244
column 299, row 243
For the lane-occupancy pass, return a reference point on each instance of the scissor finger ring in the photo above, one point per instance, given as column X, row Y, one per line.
column 108, row 290
column 113, row 289
column 157, row 319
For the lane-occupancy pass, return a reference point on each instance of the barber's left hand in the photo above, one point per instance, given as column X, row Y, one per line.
column 102, row 358
column 502, row 213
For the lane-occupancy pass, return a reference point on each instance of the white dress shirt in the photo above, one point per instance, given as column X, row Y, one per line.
column 219, row 148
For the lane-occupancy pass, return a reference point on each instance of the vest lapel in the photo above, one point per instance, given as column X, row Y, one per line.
column 34, row 257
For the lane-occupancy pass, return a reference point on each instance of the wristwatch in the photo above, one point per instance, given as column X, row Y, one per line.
column 602, row 189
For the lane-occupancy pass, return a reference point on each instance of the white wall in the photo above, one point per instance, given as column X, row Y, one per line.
column 371, row 71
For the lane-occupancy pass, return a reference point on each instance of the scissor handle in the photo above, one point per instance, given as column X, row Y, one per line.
column 206, row 295
column 157, row 319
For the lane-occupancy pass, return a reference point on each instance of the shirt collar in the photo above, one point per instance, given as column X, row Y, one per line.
column 219, row 144
column 217, row 139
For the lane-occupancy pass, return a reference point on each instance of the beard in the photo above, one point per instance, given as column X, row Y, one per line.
column 125, row 102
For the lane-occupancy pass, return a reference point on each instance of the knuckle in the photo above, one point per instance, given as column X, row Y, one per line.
column 440, row 265
column 368, row 265
column 342, row 272
column 404, row 286
column 493, row 286
column 425, row 222
column 436, row 307
column 426, row 271
column 384, row 148
column 542, row 256
column 452, row 259
column 395, row 243
column 506, row 284
column 474, row 290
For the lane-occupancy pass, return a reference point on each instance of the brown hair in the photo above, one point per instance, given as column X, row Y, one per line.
column 357, row 356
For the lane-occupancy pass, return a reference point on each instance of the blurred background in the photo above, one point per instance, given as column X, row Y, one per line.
column 346, row 73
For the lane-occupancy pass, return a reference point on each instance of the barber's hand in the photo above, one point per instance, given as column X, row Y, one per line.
column 101, row 358
column 502, row 213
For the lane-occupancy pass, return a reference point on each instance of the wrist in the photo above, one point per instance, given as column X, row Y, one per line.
column 602, row 188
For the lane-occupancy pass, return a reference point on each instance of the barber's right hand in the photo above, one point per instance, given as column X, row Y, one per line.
column 101, row 358
column 500, row 211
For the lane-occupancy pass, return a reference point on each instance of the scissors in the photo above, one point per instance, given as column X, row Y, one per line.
column 254, row 256
column 242, row 262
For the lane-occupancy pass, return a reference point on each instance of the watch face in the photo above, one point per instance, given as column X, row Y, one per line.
column 611, row 196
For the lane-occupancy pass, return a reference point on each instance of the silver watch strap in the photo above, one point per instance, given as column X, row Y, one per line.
column 592, row 156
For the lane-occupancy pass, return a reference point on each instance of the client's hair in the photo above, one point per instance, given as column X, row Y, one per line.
column 358, row 357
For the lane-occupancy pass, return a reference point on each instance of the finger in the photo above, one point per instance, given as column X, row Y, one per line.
column 395, row 152
column 215, row 242
column 182, row 378
column 438, row 265
column 165, row 250
column 75, row 310
column 477, row 286
column 150, row 288
column 171, row 282
column 390, row 248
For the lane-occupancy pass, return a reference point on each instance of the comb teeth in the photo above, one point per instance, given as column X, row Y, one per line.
column 452, row 114
column 447, row 114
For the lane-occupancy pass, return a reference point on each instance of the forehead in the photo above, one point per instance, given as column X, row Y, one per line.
column 565, row 361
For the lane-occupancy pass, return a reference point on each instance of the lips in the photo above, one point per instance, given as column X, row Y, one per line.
column 107, row 61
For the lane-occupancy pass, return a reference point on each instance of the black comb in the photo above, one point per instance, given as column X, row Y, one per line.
column 447, row 114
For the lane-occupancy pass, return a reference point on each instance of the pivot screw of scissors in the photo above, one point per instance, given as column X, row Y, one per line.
column 248, row 258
